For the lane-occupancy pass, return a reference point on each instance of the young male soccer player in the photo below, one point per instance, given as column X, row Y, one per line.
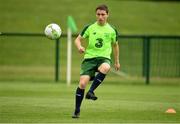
column 102, row 38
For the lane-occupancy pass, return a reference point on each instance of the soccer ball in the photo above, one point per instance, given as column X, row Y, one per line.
column 53, row 31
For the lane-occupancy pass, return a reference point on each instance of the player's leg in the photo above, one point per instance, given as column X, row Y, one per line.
column 103, row 70
column 87, row 72
column 84, row 79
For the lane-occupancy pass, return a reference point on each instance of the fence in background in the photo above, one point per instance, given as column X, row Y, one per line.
column 150, row 56
column 140, row 55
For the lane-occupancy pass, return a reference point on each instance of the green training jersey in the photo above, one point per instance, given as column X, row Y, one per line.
column 100, row 40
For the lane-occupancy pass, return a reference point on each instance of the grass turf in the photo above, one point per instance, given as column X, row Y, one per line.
column 130, row 17
column 41, row 102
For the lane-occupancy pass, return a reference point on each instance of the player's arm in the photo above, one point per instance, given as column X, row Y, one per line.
column 116, row 56
column 78, row 40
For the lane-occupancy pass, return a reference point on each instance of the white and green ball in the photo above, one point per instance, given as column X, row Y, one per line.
column 53, row 31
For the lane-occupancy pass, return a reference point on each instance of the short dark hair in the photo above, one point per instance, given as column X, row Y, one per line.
column 102, row 7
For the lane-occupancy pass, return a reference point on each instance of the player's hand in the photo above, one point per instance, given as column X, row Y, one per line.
column 81, row 49
column 117, row 66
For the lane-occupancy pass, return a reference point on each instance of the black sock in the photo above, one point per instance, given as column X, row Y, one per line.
column 79, row 98
column 97, row 81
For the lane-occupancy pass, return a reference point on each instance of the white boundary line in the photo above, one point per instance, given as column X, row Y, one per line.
column 119, row 73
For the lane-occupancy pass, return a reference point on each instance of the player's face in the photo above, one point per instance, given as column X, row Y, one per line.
column 101, row 16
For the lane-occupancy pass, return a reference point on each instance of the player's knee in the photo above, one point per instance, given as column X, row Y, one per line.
column 104, row 68
column 84, row 81
column 82, row 85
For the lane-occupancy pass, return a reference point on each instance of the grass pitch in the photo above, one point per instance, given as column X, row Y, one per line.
column 39, row 102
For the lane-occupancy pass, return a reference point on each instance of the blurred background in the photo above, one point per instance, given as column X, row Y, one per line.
column 33, row 58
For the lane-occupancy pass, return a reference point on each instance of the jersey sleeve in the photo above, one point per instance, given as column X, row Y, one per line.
column 115, row 36
column 85, row 32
